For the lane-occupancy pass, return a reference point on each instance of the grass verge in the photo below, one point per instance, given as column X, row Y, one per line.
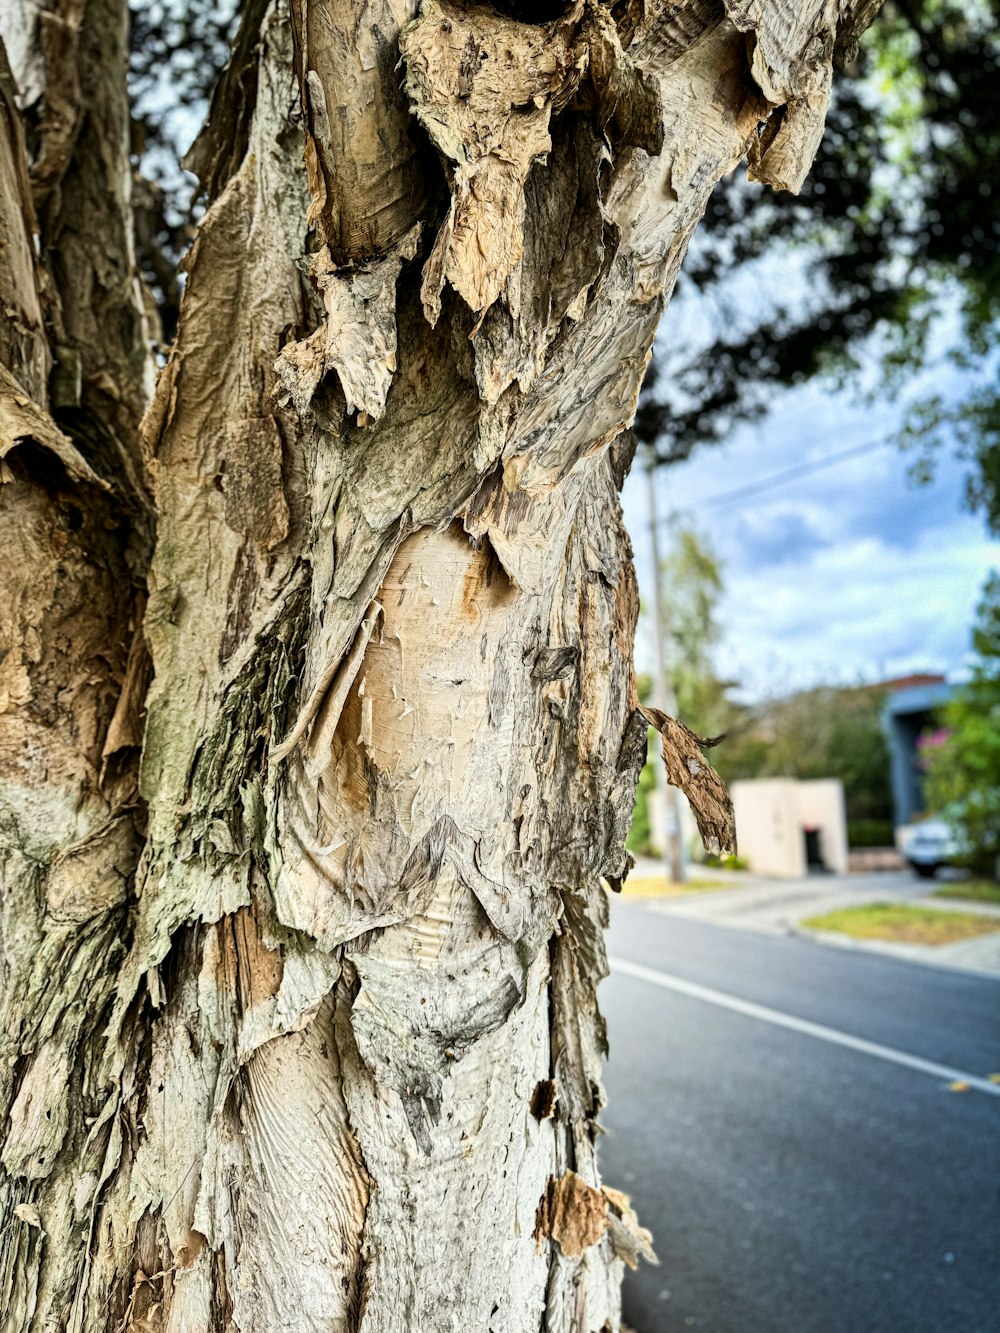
column 657, row 886
column 972, row 890
column 901, row 924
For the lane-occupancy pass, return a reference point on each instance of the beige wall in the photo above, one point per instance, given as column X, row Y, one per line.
column 772, row 814
column 768, row 832
column 821, row 804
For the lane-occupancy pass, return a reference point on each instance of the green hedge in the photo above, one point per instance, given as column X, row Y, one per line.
column 870, row 833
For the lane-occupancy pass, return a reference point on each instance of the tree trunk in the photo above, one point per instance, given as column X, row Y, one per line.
column 300, row 1028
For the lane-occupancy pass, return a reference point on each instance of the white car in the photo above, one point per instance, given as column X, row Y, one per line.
column 930, row 845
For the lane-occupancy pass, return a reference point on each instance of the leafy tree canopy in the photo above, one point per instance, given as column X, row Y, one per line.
column 963, row 773
column 892, row 245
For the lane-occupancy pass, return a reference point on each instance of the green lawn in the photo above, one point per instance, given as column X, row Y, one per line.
column 902, row 924
column 972, row 890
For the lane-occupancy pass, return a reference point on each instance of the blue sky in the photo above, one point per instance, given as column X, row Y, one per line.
column 850, row 573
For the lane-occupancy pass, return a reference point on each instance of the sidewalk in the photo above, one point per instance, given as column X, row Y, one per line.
column 780, row 906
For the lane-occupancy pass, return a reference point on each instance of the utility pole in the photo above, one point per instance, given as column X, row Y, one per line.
column 673, row 850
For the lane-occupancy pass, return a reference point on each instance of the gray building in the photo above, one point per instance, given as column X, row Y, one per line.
column 909, row 711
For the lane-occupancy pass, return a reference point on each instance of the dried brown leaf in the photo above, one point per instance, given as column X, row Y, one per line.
column 689, row 770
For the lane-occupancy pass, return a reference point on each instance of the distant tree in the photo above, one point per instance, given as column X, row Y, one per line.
column 963, row 772
column 641, row 831
column 821, row 733
column 692, row 588
column 829, row 732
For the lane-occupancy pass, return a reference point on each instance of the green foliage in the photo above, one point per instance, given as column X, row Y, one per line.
column 870, row 832
column 972, row 425
column 692, row 587
column 972, row 890
column 963, row 773
column 903, row 924
column 728, row 862
column 821, row 733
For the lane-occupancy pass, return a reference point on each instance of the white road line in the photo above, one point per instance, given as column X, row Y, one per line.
column 801, row 1025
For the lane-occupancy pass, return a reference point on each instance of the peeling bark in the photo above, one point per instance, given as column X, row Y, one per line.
column 300, row 1027
column 689, row 770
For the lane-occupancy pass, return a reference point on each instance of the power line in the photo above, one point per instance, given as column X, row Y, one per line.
column 779, row 478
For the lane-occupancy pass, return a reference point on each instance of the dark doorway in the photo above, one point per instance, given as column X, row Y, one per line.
column 814, row 855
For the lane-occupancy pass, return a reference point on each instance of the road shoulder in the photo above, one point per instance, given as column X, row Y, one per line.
column 782, row 906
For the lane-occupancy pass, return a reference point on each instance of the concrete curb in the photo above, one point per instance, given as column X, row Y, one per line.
column 907, row 953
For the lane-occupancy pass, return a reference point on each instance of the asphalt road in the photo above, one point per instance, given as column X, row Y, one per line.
column 794, row 1185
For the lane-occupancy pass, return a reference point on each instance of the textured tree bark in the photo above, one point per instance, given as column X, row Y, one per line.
column 301, row 1033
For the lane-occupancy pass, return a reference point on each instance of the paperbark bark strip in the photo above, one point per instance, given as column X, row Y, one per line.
column 24, row 349
column 74, row 531
column 333, row 1050
column 367, row 167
